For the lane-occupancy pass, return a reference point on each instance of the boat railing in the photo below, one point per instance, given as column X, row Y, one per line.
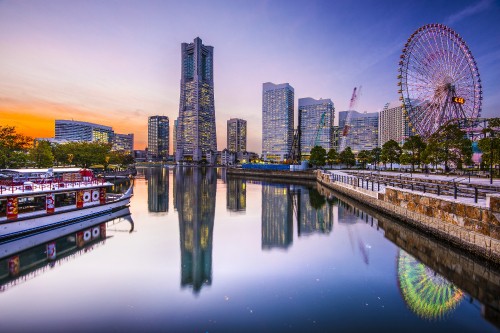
column 46, row 185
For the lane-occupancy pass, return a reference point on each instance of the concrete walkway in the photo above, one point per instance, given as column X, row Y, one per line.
column 440, row 177
column 460, row 180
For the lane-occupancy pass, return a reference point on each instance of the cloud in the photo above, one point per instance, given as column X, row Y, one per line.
column 468, row 11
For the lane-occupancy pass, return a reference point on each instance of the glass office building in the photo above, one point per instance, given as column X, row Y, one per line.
column 236, row 135
column 79, row 131
column 363, row 130
column 277, row 121
column 158, row 138
column 315, row 124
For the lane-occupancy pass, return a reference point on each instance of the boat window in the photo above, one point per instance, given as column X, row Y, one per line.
column 31, row 204
column 3, row 207
column 65, row 199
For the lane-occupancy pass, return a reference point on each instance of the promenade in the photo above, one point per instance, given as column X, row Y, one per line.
column 466, row 214
column 458, row 188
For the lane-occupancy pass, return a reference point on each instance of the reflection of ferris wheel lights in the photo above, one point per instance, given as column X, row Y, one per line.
column 426, row 293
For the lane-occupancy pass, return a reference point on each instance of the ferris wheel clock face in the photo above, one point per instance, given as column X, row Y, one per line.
column 438, row 79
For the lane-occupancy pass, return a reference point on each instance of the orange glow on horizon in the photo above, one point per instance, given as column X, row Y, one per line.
column 37, row 119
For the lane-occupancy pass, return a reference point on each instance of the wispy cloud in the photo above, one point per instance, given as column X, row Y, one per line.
column 468, row 11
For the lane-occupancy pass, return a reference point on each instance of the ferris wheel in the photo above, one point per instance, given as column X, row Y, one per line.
column 438, row 79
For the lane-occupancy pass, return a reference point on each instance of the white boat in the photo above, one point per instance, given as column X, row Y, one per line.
column 32, row 200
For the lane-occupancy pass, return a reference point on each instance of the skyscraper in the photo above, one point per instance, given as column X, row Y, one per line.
column 315, row 124
column 277, row 120
column 392, row 124
column 236, row 135
column 363, row 130
column 196, row 134
column 158, row 138
column 174, row 136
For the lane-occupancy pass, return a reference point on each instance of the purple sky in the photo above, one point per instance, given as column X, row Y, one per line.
column 118, row 62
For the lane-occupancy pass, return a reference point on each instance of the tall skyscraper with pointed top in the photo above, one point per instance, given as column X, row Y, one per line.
column 196, row 134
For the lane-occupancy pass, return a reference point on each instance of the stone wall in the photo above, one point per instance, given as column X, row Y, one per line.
column 471, row 227
column 297, row 175
column 478, row 278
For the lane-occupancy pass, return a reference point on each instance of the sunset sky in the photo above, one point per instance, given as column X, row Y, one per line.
column 117, row 62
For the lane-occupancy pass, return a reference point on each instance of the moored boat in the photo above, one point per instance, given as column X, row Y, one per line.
column 33, row 200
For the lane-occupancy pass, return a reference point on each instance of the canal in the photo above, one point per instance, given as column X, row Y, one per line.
column 205, row 252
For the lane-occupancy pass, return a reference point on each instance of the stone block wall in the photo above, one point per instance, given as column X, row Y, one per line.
column 472, row 227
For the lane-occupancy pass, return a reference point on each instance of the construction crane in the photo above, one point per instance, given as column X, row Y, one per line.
column 347, row 126
column 321, row 124
column 294, row 153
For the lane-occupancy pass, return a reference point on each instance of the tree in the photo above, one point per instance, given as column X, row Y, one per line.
column 318, row 156
column 347, row 157
column 375, row 156
column 451, row 146
column 490, row 144
column 82, row 154
column 13, row 147
column 332, row 157
column 41, row 155
column 316, row 200
column 391, row 151
column 431, row 153
column 363, row 158
column 413, row 148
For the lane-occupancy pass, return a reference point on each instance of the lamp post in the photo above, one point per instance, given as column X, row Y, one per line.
column 491, row 160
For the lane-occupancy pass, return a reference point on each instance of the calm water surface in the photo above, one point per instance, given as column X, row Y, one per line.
column 204, row 252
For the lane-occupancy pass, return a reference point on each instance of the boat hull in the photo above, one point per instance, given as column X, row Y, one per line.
column 18, row 244
column 33, row 224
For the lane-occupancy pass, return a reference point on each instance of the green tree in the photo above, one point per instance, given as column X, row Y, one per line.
column 41, row 155
column 347, row 157
column 391, row 151
column 318, row 156
column 316, row 200
column 375, row 156
column 364, row 157
column 490, row 144
column 332, row 157
column 13, row 147
column 413, row 148
column 431, row 153
column 451, row 146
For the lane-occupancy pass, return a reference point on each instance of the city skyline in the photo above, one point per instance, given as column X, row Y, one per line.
column 116, row 64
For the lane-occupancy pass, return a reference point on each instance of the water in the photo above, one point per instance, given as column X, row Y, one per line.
column 205, row 252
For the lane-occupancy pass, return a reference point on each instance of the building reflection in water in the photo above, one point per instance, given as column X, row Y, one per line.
column 236, row 195
column 427, row 293
column 313, row 213
column 277, row 216
column 195, row 201
column 157, row 189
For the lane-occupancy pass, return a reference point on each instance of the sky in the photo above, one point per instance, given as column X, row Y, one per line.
column 117, row 62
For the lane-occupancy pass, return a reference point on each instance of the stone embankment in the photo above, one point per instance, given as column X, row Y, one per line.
column 471, row 226
column 478, row 278
column 296, row 175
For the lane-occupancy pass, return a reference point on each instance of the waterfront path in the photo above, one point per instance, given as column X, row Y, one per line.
column 467, row 215
column 458, row 188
